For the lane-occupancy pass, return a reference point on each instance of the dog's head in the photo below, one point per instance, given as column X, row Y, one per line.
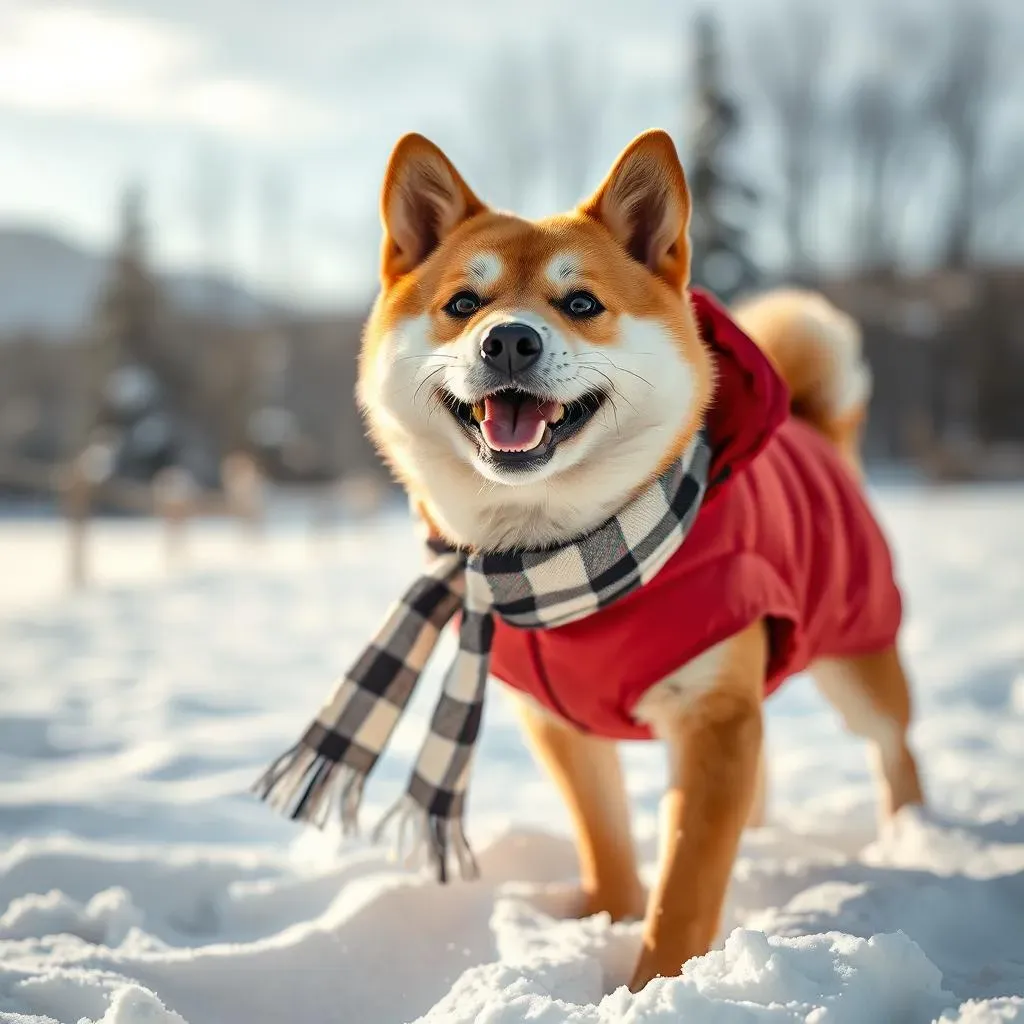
column 525, row 378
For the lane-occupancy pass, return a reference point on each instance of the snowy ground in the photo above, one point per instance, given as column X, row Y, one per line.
column 138, row 885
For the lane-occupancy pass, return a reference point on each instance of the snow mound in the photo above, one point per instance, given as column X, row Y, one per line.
column 835, row 978
column 135, row 1005
column 106, row 919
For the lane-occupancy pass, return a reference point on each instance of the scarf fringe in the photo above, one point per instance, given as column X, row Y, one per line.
column 305, row 786
column 435, row 838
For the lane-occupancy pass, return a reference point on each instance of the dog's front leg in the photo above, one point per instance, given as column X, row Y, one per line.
column 587, row 772
column 709, row 714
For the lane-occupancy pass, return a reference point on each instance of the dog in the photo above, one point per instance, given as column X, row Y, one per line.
column 524, row 379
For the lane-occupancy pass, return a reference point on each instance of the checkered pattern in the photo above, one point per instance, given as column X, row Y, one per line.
column 530, row 589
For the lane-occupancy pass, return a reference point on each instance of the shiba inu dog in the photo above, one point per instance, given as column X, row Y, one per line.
column 525, row 379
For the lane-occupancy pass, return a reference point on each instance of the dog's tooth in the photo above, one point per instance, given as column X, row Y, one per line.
column 479, row 412
column 559, row 413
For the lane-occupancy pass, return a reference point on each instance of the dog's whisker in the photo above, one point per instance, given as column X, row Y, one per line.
column 418, row 381
column 439, row 369
column 608, row 358
column 615, row 415
column 585, row 364
column 611, row 384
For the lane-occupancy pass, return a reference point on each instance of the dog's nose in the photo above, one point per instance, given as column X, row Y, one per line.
column 511, row 348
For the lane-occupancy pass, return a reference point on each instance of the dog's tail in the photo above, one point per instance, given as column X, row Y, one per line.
column 817, row 350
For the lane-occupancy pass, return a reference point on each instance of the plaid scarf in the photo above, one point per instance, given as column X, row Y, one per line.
column 539, row 589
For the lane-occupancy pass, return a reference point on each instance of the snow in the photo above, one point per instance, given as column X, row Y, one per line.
column 140, row 885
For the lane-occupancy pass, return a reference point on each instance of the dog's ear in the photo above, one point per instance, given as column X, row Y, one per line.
column 423, row 200
column 645, row 204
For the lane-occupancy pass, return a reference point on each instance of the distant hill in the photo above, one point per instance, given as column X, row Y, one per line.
column 49, row 284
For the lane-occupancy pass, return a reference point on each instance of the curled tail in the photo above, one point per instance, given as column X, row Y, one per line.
column 817, row 350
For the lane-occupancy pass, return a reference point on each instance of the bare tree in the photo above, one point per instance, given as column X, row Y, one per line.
column 276, row 210
column 920, row 119
column 874, row 139
column 513, row 139
column 722, row 200
column 970, row 74
column 575, row 96
column 212, row 208
column 890, row 145
column 546, row 124
column 790, row 61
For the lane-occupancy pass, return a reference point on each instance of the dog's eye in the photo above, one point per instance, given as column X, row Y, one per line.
column 463, row 304
column 581, row 305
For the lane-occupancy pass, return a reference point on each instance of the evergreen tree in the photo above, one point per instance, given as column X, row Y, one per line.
column 133, row 379
column 721, row 201
column 128, row 311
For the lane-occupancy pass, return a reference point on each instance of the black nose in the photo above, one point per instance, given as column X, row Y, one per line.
column 511, row 348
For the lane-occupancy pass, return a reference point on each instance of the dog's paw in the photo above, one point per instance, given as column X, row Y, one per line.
column 628, row 903
column 648, row 969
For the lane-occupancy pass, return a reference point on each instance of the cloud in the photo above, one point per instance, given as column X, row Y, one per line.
column 84, row 62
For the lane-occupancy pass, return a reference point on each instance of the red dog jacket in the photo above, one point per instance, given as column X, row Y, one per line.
column 784, row 535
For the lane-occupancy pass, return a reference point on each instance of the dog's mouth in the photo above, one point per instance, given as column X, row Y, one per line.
column 518, row 429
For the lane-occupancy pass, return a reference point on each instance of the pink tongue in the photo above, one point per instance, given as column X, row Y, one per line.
column 515, row 428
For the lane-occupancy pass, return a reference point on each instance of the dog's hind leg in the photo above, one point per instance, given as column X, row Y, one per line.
column 588, row 775
column 872, row 695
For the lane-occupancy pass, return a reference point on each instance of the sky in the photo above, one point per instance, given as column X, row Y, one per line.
column 290, row 108
column 260, row 130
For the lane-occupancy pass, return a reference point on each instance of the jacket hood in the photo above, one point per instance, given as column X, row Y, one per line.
column 751, row 400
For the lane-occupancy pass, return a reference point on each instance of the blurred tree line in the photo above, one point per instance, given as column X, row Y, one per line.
column 891, row 179
column 150, row 386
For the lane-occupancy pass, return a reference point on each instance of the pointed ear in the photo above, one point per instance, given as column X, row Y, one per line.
column 645, row 204
column 423, row 200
